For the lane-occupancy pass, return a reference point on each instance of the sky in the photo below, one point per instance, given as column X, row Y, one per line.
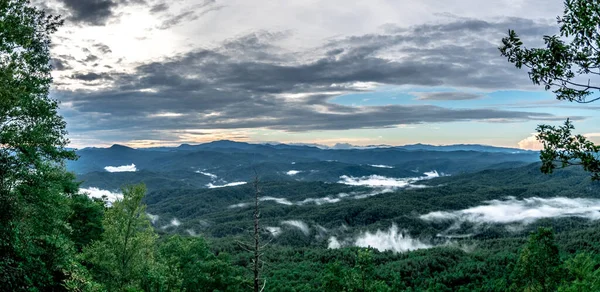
column 148, row 73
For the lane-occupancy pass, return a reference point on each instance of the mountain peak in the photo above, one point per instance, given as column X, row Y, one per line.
column 119, row 146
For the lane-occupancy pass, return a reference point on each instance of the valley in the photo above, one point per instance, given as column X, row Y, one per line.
column 432, row 204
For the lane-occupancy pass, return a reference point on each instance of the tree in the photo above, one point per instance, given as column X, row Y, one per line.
column 567, row 66
column 126, row 251
column 586, row 276
column 35, row 249
column 189, row 264
column 538, row 266
column 256, row 248
column 86, row 220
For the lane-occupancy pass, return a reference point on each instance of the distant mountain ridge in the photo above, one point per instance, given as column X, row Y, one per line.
column 229, row 144
column 228, row 157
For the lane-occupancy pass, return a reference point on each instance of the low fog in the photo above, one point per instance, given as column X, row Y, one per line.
column 392, row 239
column 387, row 182
column 380, row 166
column 98, row 193
column 300, row 225
column 212, row 176
column 523, row 211
column 233, row 184
column 122, row 168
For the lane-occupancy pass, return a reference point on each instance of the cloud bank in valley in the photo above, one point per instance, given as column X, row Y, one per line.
column 392, row 239
column 275, row 231
column 300, row 225
column 380, row 166
column 93, row 192
column 281, row 201
column 174, row 223
column 122, row 168
column 293, row 172
column 212, row 176
column 381, row 184
column 386, row 182
column 153, row 218
column 233, row 184
column 512, row 210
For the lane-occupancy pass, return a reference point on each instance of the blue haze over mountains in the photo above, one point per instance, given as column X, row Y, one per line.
column 236, row 161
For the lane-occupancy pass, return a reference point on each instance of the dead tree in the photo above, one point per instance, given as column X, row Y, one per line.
column 255, row 247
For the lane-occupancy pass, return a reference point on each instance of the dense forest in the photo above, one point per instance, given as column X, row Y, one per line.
column 488, row 221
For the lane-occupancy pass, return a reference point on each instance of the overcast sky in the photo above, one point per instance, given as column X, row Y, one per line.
column 155, row 72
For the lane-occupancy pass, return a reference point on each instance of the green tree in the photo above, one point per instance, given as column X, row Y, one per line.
column 86, row 220
column 189, row 264
column 538, row 266
column 567, row 66
column 586, row 276
column 35, row 249
column 360, row 278
column 125, row 253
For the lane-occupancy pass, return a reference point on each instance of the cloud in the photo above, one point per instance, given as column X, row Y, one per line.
column 384, row 240
column 93, row 192
column 333, row 243
column 233, row 184
column 281, row 201
column 153, row 218
column 523, row 211
column 174, row 223
column 59, row 64
column 92, row 12
column 212, row 176
column 159, row 7
column 387, row 182
column 445, row 96
column 320, row 201
column 188, row 14
column 380, row 166
column 392, row 239
column 275, row 231
column 300, row 225
column 293, row 172
column 531, row 143
column 594, row 137
column 251, row 82
column 102, row 48
column 91, row 76
column 123, row 168
column 240, row 205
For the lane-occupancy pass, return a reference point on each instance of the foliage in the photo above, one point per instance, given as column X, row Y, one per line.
column 126, row 251
column 563, row 65
column 538, row 267
column 35, row 248
column 86, row 220
column 189, row 264
column 567, row 149
column 583, row 268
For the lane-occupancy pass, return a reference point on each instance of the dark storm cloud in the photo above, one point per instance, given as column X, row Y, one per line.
column 447, row 96
column 250, row 83
column 90, row 76
column 59, row 64
column 94, row 12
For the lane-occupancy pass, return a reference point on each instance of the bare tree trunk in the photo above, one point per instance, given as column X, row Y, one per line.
column 255, row 248
column 257, row 255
